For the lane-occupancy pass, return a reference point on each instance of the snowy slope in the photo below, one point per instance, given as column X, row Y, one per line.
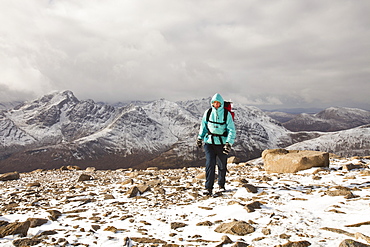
column 282, row 117
column 330, row 119
column 345, row 143
column 256, row 131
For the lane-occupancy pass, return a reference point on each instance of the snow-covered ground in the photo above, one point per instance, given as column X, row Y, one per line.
column 98, row 212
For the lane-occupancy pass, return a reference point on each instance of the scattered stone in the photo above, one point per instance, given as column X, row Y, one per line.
column 73, row 168
column 9, row 176
column 126, row 217
column 205, row 223
column 84, row 177
column 176, row 225
column 90, row 169
column 160, row 191
column 34, row 194
column 10, row 206
column 109, row 197
column 136, row 174
column 359, row 224
column 266, row 231
column 359, row 235
column 20, row 228
column 95, row 227
column 240, row 244
column 111, row 229
column 133, row 192
column 54, row 214
column 46, row 233
column 285, row 236
column 352, row 243
column 23, row 242
column 365, row 173
column 205, row 208
column 233, row 160
column 336, row 211
column 127, row 181
column 154, row 183
column 224, row 240
column 295, row 244
column 3, row 223
column 35, row 222
column 242, row 181
column 339, row 191
column 253, row 206
column 34, row 184
column 239, row 228
column 148, row 240
column 250, row 188
column 291, row 161
column 143, row 188
column 340, row 231
column 349, row 167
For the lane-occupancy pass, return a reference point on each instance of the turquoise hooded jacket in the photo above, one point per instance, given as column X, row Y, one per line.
column 217, row 127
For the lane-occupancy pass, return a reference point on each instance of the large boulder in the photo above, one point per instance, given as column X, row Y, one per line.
column 290, row 161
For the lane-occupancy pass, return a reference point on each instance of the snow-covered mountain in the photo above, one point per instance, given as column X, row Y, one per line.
column 344, row 143
column 330, row 119
column 9, row 105
column 282, row 117
column 58, row 129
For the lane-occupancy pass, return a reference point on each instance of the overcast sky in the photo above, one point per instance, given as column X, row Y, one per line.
column 268, row 53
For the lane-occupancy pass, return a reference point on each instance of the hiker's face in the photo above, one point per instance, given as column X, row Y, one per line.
column 216, row 104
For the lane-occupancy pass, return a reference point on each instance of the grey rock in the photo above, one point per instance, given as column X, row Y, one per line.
column 9, row 176
column 20, row 228
column 239, row 228
column 352, row 243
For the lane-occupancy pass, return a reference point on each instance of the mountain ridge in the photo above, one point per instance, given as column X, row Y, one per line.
column 329, row 120
column 58, row 129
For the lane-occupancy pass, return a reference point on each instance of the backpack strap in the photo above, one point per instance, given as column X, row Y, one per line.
column 224, row 122
column 209, row 114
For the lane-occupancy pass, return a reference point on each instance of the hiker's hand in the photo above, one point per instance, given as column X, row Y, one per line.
column 199, row 143
column 227, row 148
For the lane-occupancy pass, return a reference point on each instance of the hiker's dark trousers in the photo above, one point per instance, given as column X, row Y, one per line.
column 212, row 152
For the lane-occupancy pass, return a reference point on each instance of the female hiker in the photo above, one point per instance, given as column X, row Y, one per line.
column 217, row 130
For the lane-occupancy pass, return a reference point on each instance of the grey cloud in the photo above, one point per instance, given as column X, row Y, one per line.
column 287, row 53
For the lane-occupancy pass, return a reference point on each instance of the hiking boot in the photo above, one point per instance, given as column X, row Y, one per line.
column 207, row 192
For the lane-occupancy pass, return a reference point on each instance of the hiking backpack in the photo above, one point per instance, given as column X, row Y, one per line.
column 227, row 107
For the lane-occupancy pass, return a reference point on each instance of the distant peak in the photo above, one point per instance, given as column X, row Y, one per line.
column 57, row 98
column 67, row 93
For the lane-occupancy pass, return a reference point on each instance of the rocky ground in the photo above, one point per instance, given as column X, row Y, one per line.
column 72, row 207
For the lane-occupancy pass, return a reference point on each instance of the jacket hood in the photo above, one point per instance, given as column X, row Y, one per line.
column 218, row 97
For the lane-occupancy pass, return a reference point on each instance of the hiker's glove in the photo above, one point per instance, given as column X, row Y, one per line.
column 199, row 143
column 227, row 148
